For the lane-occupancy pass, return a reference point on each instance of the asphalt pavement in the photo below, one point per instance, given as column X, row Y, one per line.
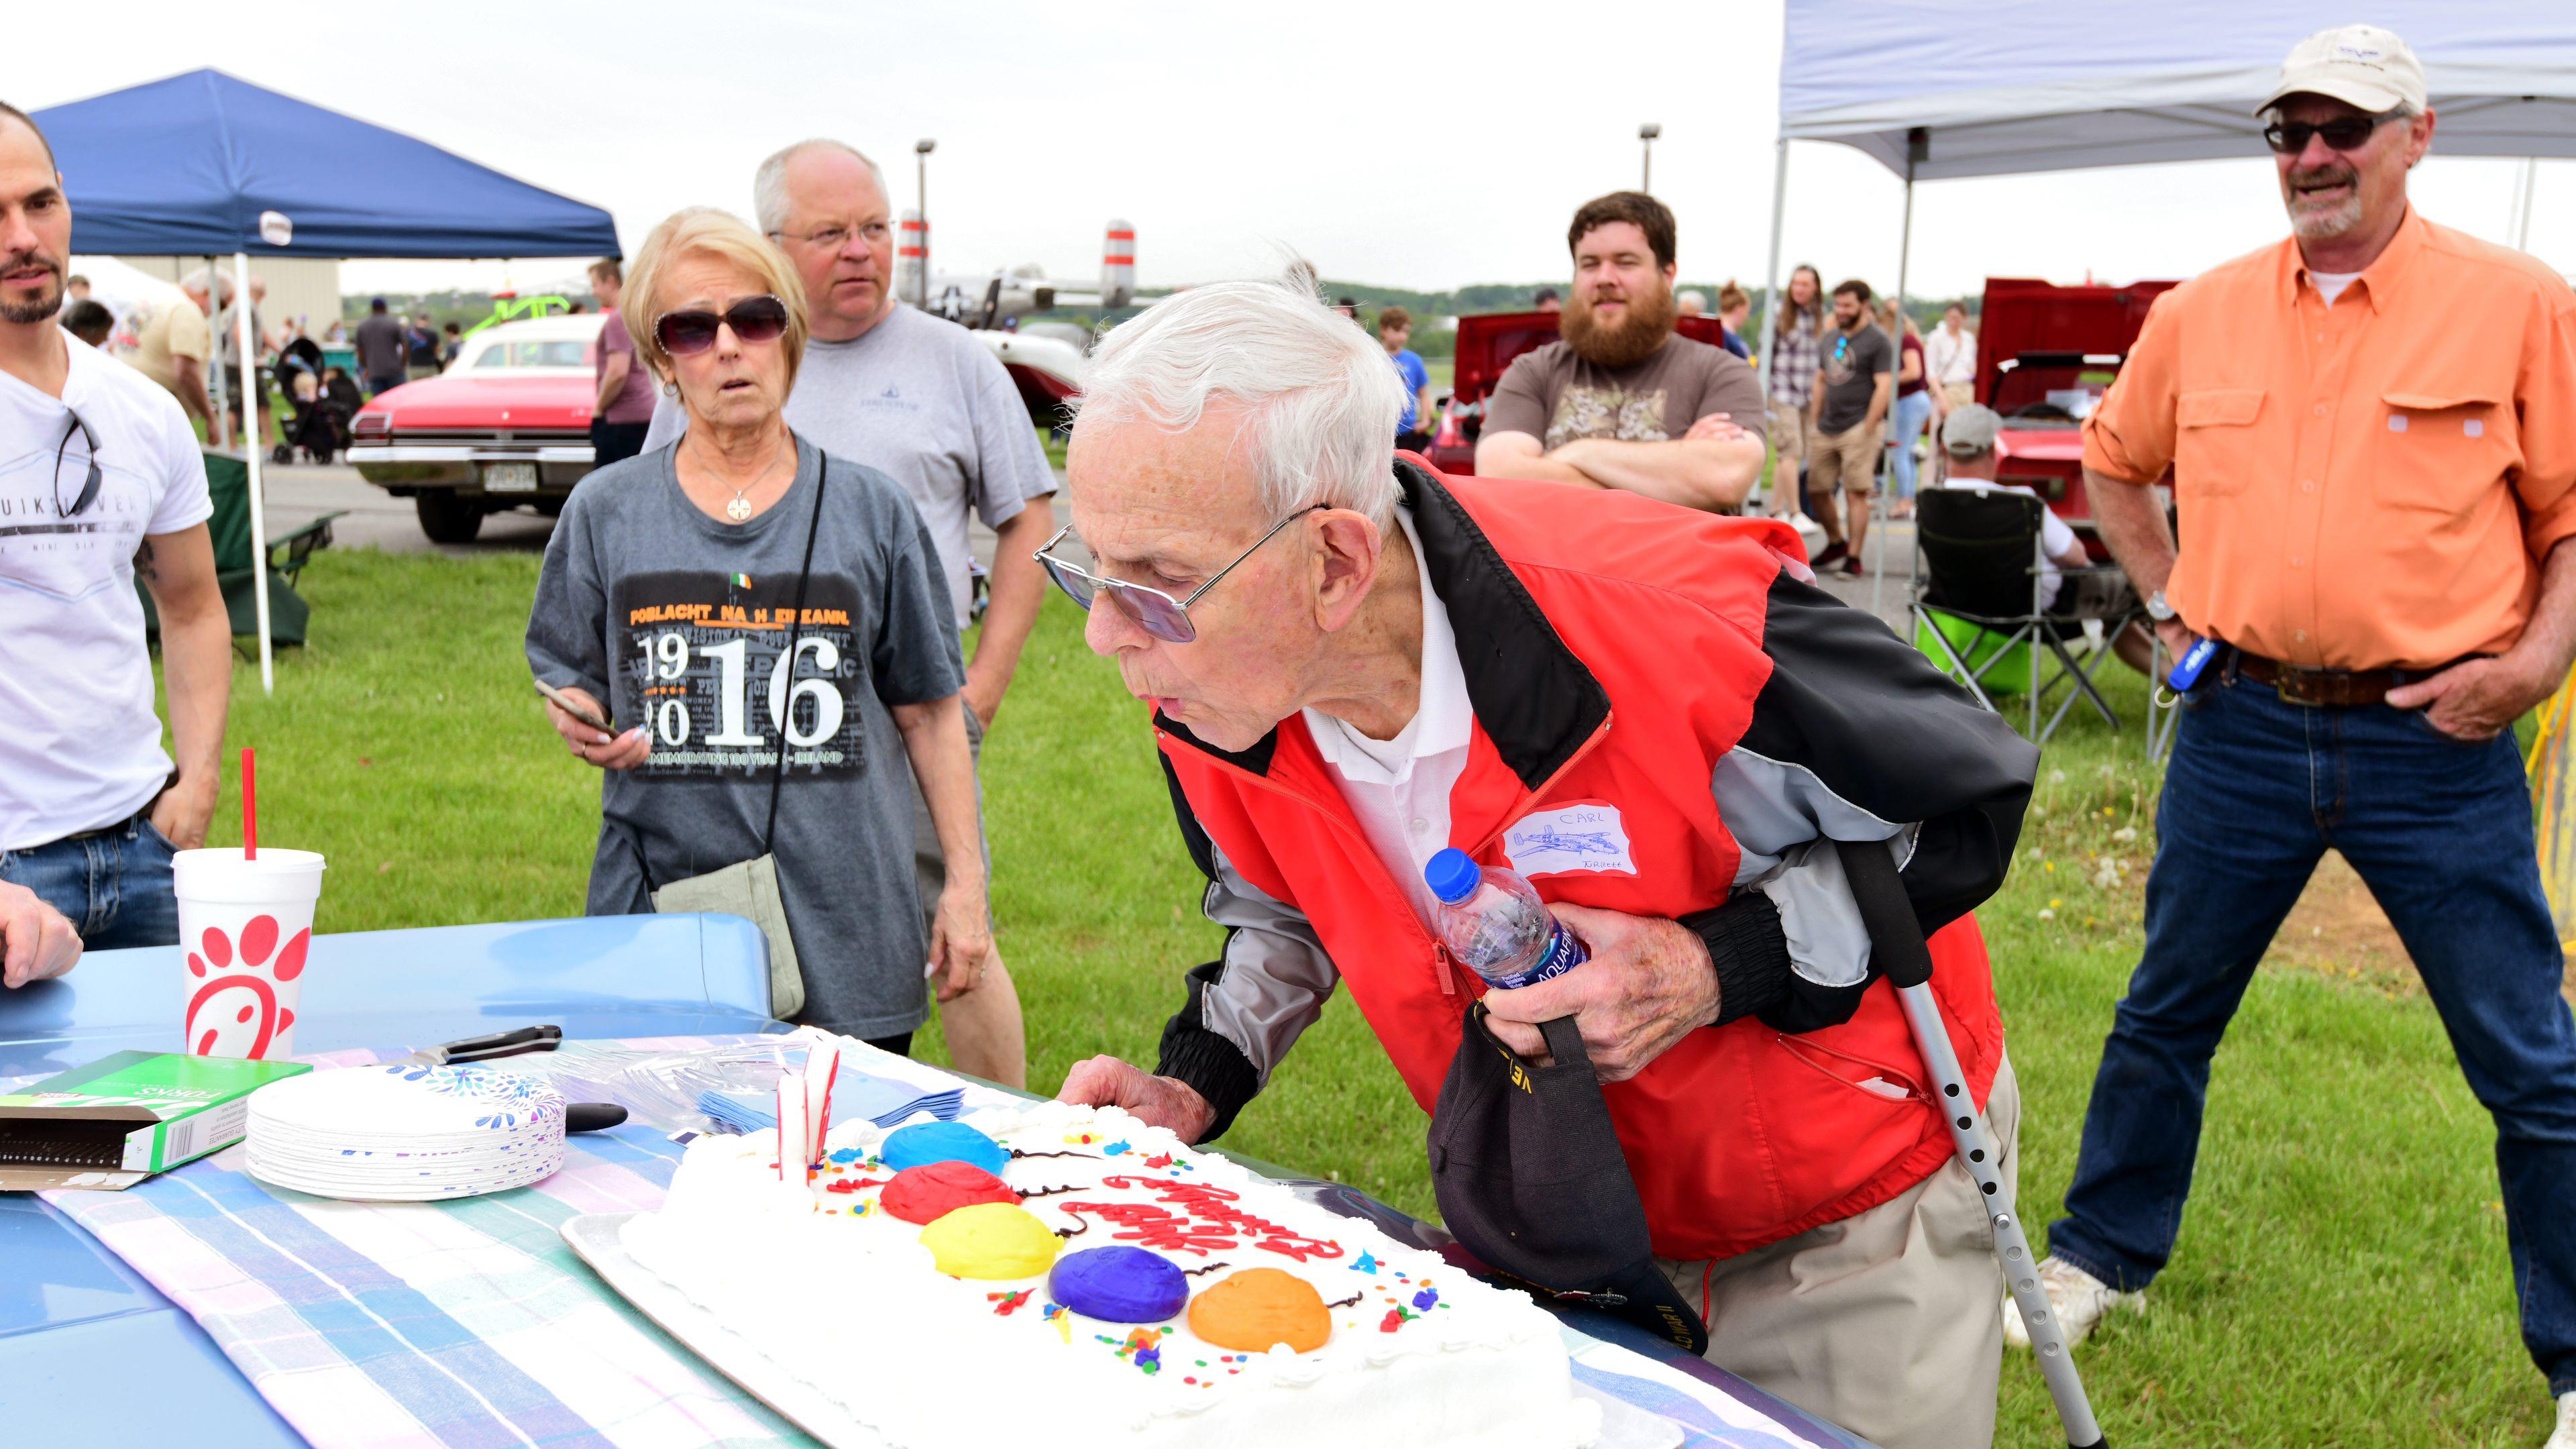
column 300, row 493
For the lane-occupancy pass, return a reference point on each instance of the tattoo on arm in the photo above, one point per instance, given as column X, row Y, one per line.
column 143, row 564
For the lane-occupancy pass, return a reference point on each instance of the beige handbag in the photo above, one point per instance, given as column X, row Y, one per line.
column 749, row 888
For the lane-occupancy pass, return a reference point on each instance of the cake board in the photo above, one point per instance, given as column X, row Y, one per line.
column 594, row 1238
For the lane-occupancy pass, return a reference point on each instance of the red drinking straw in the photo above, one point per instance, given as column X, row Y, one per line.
column 250, row 809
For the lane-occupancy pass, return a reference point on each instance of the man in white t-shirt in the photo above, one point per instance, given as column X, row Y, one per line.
column 1968, row 437
column 100, row 483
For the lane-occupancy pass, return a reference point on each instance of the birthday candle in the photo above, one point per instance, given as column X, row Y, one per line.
column 793, row 1140
column 822, row 1064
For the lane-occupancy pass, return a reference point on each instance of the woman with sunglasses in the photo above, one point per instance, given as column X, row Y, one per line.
column 760, row 626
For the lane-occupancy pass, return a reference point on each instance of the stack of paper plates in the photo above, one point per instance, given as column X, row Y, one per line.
column 405, row 1133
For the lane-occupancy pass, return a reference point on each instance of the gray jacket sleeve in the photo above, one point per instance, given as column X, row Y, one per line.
column 1248, row 1006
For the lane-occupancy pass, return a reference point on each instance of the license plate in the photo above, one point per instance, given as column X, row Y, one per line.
column 509, row 477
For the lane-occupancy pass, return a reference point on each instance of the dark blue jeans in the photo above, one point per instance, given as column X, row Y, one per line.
column 113, row 884
column 2441, row 833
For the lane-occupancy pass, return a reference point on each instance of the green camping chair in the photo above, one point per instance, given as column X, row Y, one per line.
column 228, row 481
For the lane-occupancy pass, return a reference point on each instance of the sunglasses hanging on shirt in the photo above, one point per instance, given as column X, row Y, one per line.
column 62, row 450
column 753, row 320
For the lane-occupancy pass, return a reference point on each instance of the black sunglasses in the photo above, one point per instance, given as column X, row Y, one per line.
column 89, row 486
column 2345, row 133
column 753, row 319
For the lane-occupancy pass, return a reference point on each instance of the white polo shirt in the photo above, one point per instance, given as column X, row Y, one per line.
column 1399, row 788
column 80, row 746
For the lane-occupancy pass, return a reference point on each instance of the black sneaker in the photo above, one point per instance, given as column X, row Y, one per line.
column 1834, row 553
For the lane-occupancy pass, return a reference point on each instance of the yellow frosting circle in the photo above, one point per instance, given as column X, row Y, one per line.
column 991, row 1240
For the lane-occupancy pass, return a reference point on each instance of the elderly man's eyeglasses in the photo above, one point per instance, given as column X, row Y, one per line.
column 1155, row 612
column 753, row 319
column 90, row 485
column 2344, row 133
column 833, row 238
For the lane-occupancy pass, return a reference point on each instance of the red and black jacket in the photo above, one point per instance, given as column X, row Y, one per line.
column 1681, row 674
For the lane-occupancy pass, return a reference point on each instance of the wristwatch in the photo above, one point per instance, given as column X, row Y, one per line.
column 2157, row 608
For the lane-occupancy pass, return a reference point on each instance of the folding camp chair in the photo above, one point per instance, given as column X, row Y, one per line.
column 1984, row 566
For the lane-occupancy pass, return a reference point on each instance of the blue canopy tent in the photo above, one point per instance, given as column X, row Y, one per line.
column 209, row 165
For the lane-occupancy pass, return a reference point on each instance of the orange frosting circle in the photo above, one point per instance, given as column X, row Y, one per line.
column 1251, row 1310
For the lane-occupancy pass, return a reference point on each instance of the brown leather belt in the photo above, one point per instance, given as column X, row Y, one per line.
column 2300, row 684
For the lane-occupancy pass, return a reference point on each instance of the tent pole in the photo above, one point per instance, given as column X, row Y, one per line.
column 2530, row 185
column 1896, row 348
column 258, row 511
column 222, row 421
column 1771, row 307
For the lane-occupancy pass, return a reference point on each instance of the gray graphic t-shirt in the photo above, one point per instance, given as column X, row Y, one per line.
column 1556, row 397
column 682, row 623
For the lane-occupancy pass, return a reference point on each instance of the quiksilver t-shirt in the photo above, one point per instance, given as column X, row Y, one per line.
column 80, row 747
column 681, row 622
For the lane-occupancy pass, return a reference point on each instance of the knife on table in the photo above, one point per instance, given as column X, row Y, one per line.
column 578, row 1116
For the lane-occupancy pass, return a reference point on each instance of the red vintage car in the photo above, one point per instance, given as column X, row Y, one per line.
column 2045, row 354
column 1487, row 344
column 507, row 423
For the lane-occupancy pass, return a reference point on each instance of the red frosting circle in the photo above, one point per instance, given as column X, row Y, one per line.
column 929, row 1192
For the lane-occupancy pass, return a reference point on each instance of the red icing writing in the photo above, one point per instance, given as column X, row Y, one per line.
column 853, row 1184
column 1207, row 1220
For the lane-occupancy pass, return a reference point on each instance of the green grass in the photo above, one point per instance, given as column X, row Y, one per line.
column 2341, row 1277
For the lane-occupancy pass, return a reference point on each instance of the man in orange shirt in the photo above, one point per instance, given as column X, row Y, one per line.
column 2372, row 427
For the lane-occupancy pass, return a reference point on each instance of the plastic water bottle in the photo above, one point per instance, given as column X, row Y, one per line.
column 1494, row 922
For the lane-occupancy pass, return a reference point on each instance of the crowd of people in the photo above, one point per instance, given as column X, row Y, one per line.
column 752, row 624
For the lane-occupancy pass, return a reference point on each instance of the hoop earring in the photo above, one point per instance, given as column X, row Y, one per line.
column 670, row 389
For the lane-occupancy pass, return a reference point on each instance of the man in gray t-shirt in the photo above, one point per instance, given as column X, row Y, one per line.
column 923, row 401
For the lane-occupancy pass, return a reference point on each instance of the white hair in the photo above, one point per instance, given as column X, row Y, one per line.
column 769, row 202
column 212, row 281
column 1318, row 399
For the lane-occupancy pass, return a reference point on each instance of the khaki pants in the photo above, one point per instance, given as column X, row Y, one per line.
column 1958, row 394
column 1888, row 1323
column 1845, row 459
column 1789, row 446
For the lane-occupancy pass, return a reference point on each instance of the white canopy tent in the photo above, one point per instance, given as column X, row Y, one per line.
column 1995, row 87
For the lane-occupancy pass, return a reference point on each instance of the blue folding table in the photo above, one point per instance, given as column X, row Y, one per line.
column 80, row 1331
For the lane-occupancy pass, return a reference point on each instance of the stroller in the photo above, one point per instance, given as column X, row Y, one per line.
column 321, row 400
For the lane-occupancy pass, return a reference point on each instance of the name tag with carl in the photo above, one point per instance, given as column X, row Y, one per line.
column 1560, row 839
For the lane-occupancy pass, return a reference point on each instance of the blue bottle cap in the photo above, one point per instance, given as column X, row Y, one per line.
column 1452, row 875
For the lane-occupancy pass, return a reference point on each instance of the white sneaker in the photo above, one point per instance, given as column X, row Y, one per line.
column 2079, row 1300
column 2564, row 1436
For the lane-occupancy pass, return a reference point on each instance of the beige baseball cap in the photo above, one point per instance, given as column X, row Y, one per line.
column 2360, row 65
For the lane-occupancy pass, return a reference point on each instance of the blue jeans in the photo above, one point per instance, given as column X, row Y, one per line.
column 2441, row 832
column 1912, row 411
column 113, row 884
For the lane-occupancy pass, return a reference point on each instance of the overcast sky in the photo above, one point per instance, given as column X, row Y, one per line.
column 1392, row 141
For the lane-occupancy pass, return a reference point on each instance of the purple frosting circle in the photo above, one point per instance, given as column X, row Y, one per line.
column 1119, row 1285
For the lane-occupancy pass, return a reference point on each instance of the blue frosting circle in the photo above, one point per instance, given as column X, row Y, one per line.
column 924, row 1143
column 1119, row 1285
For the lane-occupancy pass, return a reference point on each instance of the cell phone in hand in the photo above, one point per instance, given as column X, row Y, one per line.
column 572, row 706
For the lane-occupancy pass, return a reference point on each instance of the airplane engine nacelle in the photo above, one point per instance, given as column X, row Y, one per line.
column 1118, row 265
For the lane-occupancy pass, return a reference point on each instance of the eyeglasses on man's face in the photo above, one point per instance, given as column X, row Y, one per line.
column 833, row 238
column 1150, row 609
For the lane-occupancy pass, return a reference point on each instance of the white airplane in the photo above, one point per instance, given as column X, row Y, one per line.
column 1045, row 360
column 985, row 301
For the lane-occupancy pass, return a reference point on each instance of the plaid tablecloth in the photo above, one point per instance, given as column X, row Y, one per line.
column 471, row 1325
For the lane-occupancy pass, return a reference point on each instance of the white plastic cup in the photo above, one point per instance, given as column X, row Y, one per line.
column 244, row 926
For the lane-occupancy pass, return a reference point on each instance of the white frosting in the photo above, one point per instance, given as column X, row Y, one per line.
column 844, row 1297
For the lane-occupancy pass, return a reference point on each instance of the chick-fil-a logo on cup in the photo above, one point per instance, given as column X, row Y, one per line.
column 244, row 928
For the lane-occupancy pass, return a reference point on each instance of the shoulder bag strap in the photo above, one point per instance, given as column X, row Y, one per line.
column 795, row 626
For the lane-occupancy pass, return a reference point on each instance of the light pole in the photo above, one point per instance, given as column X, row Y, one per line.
column 1646, row 135
column 921, row 150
